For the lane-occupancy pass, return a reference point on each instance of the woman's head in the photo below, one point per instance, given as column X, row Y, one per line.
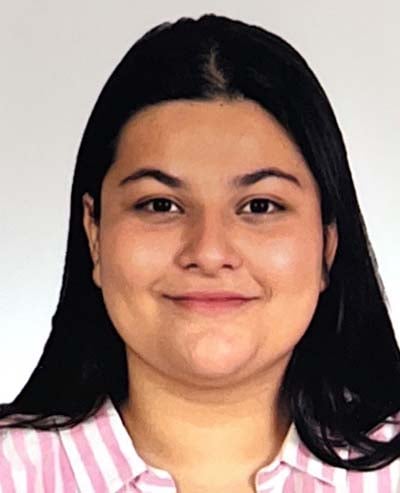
column 167, row 105
column 159, row 96
column 209, row 236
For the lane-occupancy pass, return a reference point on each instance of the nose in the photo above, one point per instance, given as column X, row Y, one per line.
column 208, row 246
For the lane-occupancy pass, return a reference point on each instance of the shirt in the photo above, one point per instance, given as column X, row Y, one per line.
column 99, row 456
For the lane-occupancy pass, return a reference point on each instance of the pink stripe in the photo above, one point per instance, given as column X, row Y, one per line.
column 355, row 481
column 308, row 484
column 304, row 457
column 88, row 459
column 327, row 472
column 18, row 437
column 289, row 486
column 46, row 446
column 327, row 488
column 382, row 475
column 384, row 479
column 67, row 476
column 150, row 479
column 7, row 482
column 110, row 440
column 303, row 460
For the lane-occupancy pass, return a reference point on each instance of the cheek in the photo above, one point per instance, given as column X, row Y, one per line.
column 294, row 263
column 130, row 260
column 131, row 264
column 288, row 256
column 290, row 272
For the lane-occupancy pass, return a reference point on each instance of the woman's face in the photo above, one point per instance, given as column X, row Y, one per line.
column 209, row 235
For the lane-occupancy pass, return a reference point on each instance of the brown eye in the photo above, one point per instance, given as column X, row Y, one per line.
column 161, row 204
column 262, row 206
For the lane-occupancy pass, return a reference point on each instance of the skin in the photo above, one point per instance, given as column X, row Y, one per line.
column 201, row 387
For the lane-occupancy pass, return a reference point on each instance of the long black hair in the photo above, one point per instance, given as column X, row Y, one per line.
column 344, row 375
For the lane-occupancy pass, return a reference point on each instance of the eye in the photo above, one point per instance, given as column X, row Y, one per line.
column 262, row 206
column 161, row 204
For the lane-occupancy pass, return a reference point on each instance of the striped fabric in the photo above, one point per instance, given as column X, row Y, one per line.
column 99, row 456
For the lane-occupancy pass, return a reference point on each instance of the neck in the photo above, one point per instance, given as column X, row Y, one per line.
column 187, row 428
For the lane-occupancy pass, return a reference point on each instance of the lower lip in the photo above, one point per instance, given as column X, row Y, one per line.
column 209, row 306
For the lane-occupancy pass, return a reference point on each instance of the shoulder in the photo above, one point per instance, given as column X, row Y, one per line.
column 33, row 457
column 387, row 478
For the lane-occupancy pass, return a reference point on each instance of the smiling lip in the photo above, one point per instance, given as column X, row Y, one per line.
column 211, row 296
column 207, row 305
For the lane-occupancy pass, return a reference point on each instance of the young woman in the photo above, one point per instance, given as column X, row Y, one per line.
column 221, row 326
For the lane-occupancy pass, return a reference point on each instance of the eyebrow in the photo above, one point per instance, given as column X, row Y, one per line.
column 239, row 181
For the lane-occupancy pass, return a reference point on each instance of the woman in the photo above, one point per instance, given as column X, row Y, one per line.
column 218, row 345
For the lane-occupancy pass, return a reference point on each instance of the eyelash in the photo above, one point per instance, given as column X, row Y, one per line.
column 141, row 206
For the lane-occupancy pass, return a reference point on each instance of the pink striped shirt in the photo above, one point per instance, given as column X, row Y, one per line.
column 98, row 456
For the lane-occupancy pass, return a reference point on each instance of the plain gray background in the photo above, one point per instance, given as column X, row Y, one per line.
column 56, row 56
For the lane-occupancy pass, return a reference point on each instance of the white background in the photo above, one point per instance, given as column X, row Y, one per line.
column 56, row 56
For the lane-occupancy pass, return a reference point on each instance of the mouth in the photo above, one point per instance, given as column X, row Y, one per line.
column 212, row 306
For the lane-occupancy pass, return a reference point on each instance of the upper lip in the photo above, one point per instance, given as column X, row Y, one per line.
column 211, row 295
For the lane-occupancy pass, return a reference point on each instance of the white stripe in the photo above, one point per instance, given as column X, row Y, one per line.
column 56, row 450
column 394, row 476
column 161, row 473
column 340, row 478
column 277, row 482
column 100, row 451
column 389, row 431
column 79, row 467
column 289, row 453
column 18, row 470
column 31, row 438
column 124, row 440
column 314, row 467
column 370, row 481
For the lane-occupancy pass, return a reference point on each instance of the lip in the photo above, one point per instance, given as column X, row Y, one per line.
column 211, row 296
column 212, row 307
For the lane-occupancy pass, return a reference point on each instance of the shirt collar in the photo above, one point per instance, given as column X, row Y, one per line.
column 105, row 437
column 296, row 455
column 105, row 442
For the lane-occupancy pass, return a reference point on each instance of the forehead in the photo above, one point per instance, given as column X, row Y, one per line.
column 208, row 137
column 221, row 118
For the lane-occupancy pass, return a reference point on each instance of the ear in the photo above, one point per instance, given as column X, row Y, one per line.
column 92, row 230
column 331, row 241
